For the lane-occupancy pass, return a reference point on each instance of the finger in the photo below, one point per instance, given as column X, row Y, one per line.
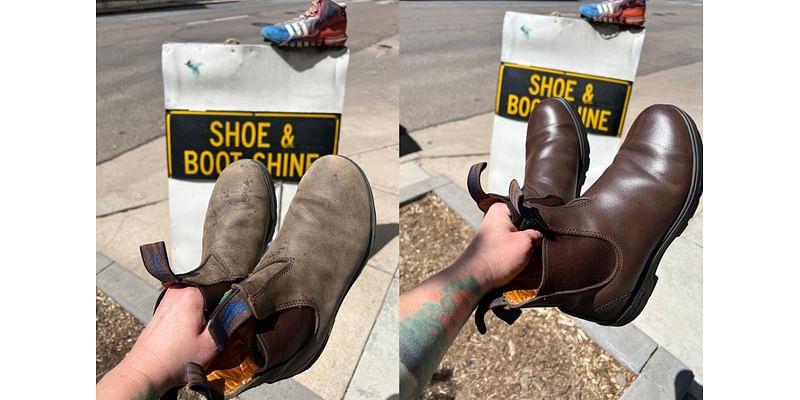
column 500, row 212
column 499, row 209
column 535, row 236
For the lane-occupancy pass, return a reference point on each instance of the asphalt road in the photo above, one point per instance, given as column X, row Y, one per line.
column 130, row 99
column 450, row 51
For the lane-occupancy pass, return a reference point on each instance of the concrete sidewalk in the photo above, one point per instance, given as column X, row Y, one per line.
column 674, row 314
column 132, row 209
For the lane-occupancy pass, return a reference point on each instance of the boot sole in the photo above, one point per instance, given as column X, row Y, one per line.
column 647, row 282
column 583, row 144
column 273, row 210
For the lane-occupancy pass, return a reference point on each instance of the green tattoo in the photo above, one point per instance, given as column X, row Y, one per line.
column 149, row 395
column 426, row 334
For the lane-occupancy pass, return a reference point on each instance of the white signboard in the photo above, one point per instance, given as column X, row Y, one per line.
column 592, row 67
column 224, row 102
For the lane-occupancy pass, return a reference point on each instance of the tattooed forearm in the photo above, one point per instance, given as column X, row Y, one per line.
column 427, row 332
column 150, row 394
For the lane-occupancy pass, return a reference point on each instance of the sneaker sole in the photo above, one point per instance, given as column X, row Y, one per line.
column 335, row 41
column 624, row 21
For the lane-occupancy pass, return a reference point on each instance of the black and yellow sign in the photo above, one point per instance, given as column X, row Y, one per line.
column 601, row 102
column 200, row 144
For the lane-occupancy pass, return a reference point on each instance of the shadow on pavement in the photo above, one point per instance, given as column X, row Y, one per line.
column 407, row 144
column 384, row 233
column 686, row 388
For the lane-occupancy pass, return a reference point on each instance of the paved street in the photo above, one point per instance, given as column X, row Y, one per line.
column 454, row 50
column 131, row 174
column 130, row 100
column 447, row 105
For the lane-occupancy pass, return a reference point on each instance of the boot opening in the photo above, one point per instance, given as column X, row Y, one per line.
column 234, row 366
column 259, row 345
column 525, row 286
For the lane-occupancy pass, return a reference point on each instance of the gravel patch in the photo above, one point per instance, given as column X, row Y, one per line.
column 543, row 355
column 116, row 332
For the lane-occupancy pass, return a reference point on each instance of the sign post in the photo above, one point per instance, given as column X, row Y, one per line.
column 545, row 56
column 228, row 102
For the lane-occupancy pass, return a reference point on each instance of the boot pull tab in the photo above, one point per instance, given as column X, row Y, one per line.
column 494, row 301
column 196, row 383
column 474, row 186
column 481, row 198
column 480, row 313
column 154, row 256
column 232, row 311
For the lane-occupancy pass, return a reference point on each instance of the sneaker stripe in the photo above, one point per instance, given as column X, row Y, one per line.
column 305, row 29
column 290, row 30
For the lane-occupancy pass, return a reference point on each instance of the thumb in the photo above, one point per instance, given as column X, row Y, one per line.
column 534, row 236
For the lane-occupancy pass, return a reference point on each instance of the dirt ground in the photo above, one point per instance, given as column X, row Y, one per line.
column 116, row 331
column 543, row 355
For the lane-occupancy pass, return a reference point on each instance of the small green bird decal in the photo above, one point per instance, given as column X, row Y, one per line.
column 194, row 67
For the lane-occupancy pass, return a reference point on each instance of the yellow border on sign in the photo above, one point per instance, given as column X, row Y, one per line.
column 560, row 72
column 227, row 113
column 624, row 111
column 499, row 86
column 336, row 139
column 169, row 149
column 556, row 71
column 243, row 114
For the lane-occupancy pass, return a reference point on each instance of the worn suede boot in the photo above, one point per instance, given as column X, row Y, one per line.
column 298, row 285
column 556, row 161
column 601, row 251
column 240, row 221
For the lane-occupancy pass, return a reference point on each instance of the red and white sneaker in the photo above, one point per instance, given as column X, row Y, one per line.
column 620, row 12
column 323, row 24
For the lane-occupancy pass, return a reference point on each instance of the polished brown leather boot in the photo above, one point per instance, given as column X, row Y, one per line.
column 320, row 250
column 601, row 251
column 556, row 161
column 239, row 222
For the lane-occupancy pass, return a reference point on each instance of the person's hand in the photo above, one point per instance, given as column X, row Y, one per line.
column 176, row 335
column 499, row 252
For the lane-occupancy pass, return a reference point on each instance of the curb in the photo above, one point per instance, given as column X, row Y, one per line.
column 372, row 377
column 128, row 290
column 138, row 298
column 659, row 374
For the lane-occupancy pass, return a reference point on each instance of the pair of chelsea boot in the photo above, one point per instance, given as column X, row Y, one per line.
column 271, row 310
